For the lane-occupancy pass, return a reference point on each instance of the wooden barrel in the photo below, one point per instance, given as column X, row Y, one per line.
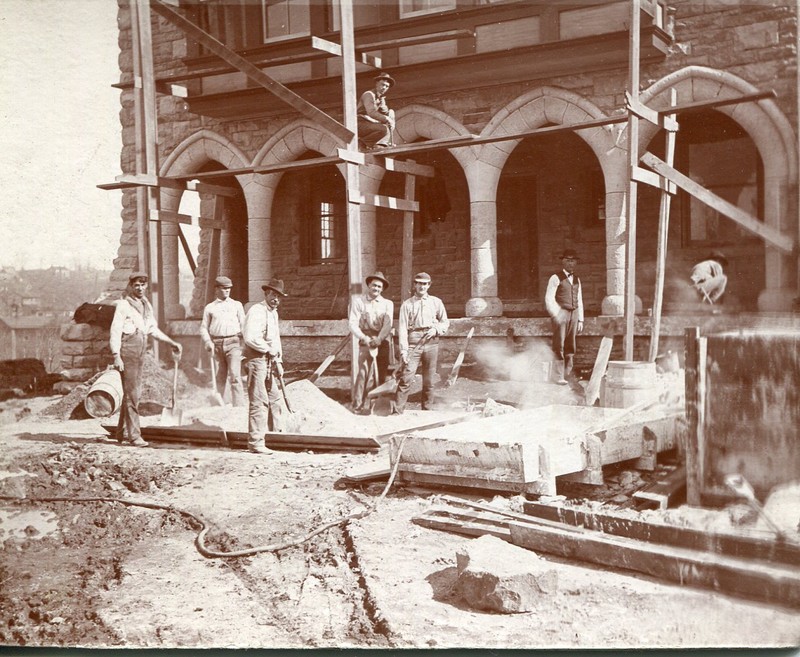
column 105, row 395
column 628, row 382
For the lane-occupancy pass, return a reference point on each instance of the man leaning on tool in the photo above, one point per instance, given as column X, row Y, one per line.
column 134, row 321
column 563, row 300
column 221, row 331
column 370, row 320
column 262, row 350
column 422, row 317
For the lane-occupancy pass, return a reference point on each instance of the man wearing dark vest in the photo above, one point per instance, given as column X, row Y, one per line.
column 564, row 302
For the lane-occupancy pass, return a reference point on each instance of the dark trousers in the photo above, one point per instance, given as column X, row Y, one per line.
column 373, row 134
column 565, row 329
column 428, row 357
column 227, row 355
column 132, row 352
column 369, row 374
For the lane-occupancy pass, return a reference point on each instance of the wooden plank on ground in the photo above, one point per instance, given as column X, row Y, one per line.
column 732, row 545
column 258, row 76
column 598, row 371
column 660, row 494
column 460, row 527
column 777, row 584
column 776, row 238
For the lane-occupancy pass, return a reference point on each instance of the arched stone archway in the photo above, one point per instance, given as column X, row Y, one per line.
column 190, row 156
column 535, row 109
column 775, row 141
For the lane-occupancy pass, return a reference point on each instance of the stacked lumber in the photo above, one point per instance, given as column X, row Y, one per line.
column 756, row 569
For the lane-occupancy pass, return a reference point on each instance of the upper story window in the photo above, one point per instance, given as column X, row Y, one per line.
column 411, row 8
column 283, row 19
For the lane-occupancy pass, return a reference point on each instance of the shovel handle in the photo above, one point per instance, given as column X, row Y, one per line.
column 174, row 383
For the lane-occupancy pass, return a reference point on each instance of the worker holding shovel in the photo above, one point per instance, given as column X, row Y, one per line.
column 221, row 331
column 370, row 320
column 423, row 318
column 264, row 357
column 134, row 322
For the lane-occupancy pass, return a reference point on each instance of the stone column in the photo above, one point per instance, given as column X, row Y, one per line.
column 781, row 280
column 482, row 178
column 259, row 197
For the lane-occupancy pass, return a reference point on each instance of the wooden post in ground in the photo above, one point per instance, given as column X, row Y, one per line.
column 408, row 241
column 349, row 95
column 633, row 163
column 695, row 414
column 661, row 248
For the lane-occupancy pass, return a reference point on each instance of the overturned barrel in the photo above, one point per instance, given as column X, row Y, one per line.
column 105, row 395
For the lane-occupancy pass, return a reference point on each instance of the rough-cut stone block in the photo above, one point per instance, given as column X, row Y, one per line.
column 496, row 576
column 79, row 332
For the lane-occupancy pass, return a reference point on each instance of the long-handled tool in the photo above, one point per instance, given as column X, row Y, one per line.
column 282, row 386
column 329, row 359
column 173, row 416
column 216, row 397
column 389, row 387
column 739, row 485
column 459, row 360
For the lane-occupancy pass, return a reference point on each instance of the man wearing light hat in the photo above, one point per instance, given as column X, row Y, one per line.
column 263, row 352
column 134, row 321
column 375, row 119
column 423, row 319
column 370, row 320
column 221, row 332
column 563, row 300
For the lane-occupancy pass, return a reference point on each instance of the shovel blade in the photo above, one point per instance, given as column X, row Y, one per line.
column 388, row 388
column 171, row 417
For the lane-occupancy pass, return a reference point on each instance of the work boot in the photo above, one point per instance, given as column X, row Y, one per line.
column 259, row 449
column 138, row 442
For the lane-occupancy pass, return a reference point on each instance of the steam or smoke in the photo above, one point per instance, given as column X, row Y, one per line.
column 515, row 360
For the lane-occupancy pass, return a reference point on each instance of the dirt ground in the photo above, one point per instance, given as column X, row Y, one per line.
column 105, row 574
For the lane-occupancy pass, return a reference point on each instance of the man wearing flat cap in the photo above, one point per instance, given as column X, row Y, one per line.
column 563, row 300
column 422, row 320
column 370, row 320
column 221, row 332
column 375, row 119
column 134, row 321
column 262, row 350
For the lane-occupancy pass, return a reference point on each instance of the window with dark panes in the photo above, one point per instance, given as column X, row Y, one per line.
column 714, row 151
column 282, row 19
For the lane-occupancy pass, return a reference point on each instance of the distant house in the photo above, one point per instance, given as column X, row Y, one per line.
column 31, row 336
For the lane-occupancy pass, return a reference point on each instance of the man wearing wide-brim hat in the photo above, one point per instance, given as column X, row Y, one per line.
column 264, row 358
column 221, row 332
column 134, row 322
column 375, row 119
column 563, row 300
column 370, row 321
column 422, row 320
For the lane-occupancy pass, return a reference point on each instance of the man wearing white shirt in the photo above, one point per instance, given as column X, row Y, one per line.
column 423, row 318
column 262, row 340
column 134, row 321
column 370, row 321
column 221, row 331
column 563, row 300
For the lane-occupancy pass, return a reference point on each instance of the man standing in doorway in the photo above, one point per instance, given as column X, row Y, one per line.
column 262, row 340
column 423, row 319
column 370, row 320
column 563, row 300
column 134, row 321
column 221, row 331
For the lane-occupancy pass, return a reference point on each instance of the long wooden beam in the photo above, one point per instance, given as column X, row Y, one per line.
column 744, row 547
column 258, row 76
column 448, row 142
column 361, row 52
column 747, row 221
column 130, row 181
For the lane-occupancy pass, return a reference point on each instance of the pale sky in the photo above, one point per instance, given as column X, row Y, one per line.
column 60, row 133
